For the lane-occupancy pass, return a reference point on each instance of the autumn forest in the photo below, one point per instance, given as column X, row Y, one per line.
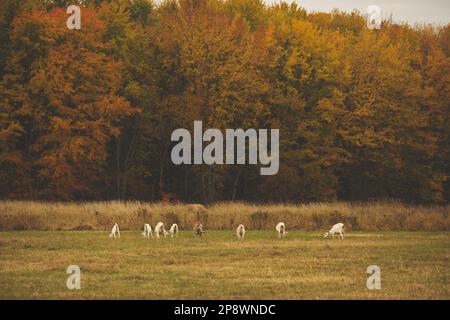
column 88, row 114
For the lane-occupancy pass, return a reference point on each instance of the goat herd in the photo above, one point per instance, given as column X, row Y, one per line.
column 337, row 229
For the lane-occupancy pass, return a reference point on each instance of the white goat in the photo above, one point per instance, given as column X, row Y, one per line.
column 338, row 229
column 160, row 230
column 115, row 231
column 281, row 229
column 198, row 229
column 147, row 231
column 174, row 230
column 240, row 231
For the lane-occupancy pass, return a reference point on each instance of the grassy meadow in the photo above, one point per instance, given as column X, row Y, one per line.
column 39, row 240
column 372, row 216
column 414, row 265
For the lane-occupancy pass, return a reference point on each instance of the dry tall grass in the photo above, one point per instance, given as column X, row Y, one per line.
column 28, row 215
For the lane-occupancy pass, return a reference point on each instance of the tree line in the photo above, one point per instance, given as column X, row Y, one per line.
column 87, row 114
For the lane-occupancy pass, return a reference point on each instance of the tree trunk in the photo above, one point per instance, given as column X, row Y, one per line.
column 118, row 166
column 131, row 150
column 236, row 182
column 161, row 170
column 186, row 198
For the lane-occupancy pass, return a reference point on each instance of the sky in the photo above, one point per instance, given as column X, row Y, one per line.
column 411, row 11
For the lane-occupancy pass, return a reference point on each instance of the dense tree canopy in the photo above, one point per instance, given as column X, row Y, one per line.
column 87, row 114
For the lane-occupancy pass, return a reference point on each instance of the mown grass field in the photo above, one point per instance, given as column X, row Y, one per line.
column 414, row 265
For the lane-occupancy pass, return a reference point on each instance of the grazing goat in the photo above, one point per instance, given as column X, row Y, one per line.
column 281, row 229
column 115, row 231
column 160, row 230
column 198, row 229
column 240, row 231
column 338, row 229
column 174, row 230
column 147, row 231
